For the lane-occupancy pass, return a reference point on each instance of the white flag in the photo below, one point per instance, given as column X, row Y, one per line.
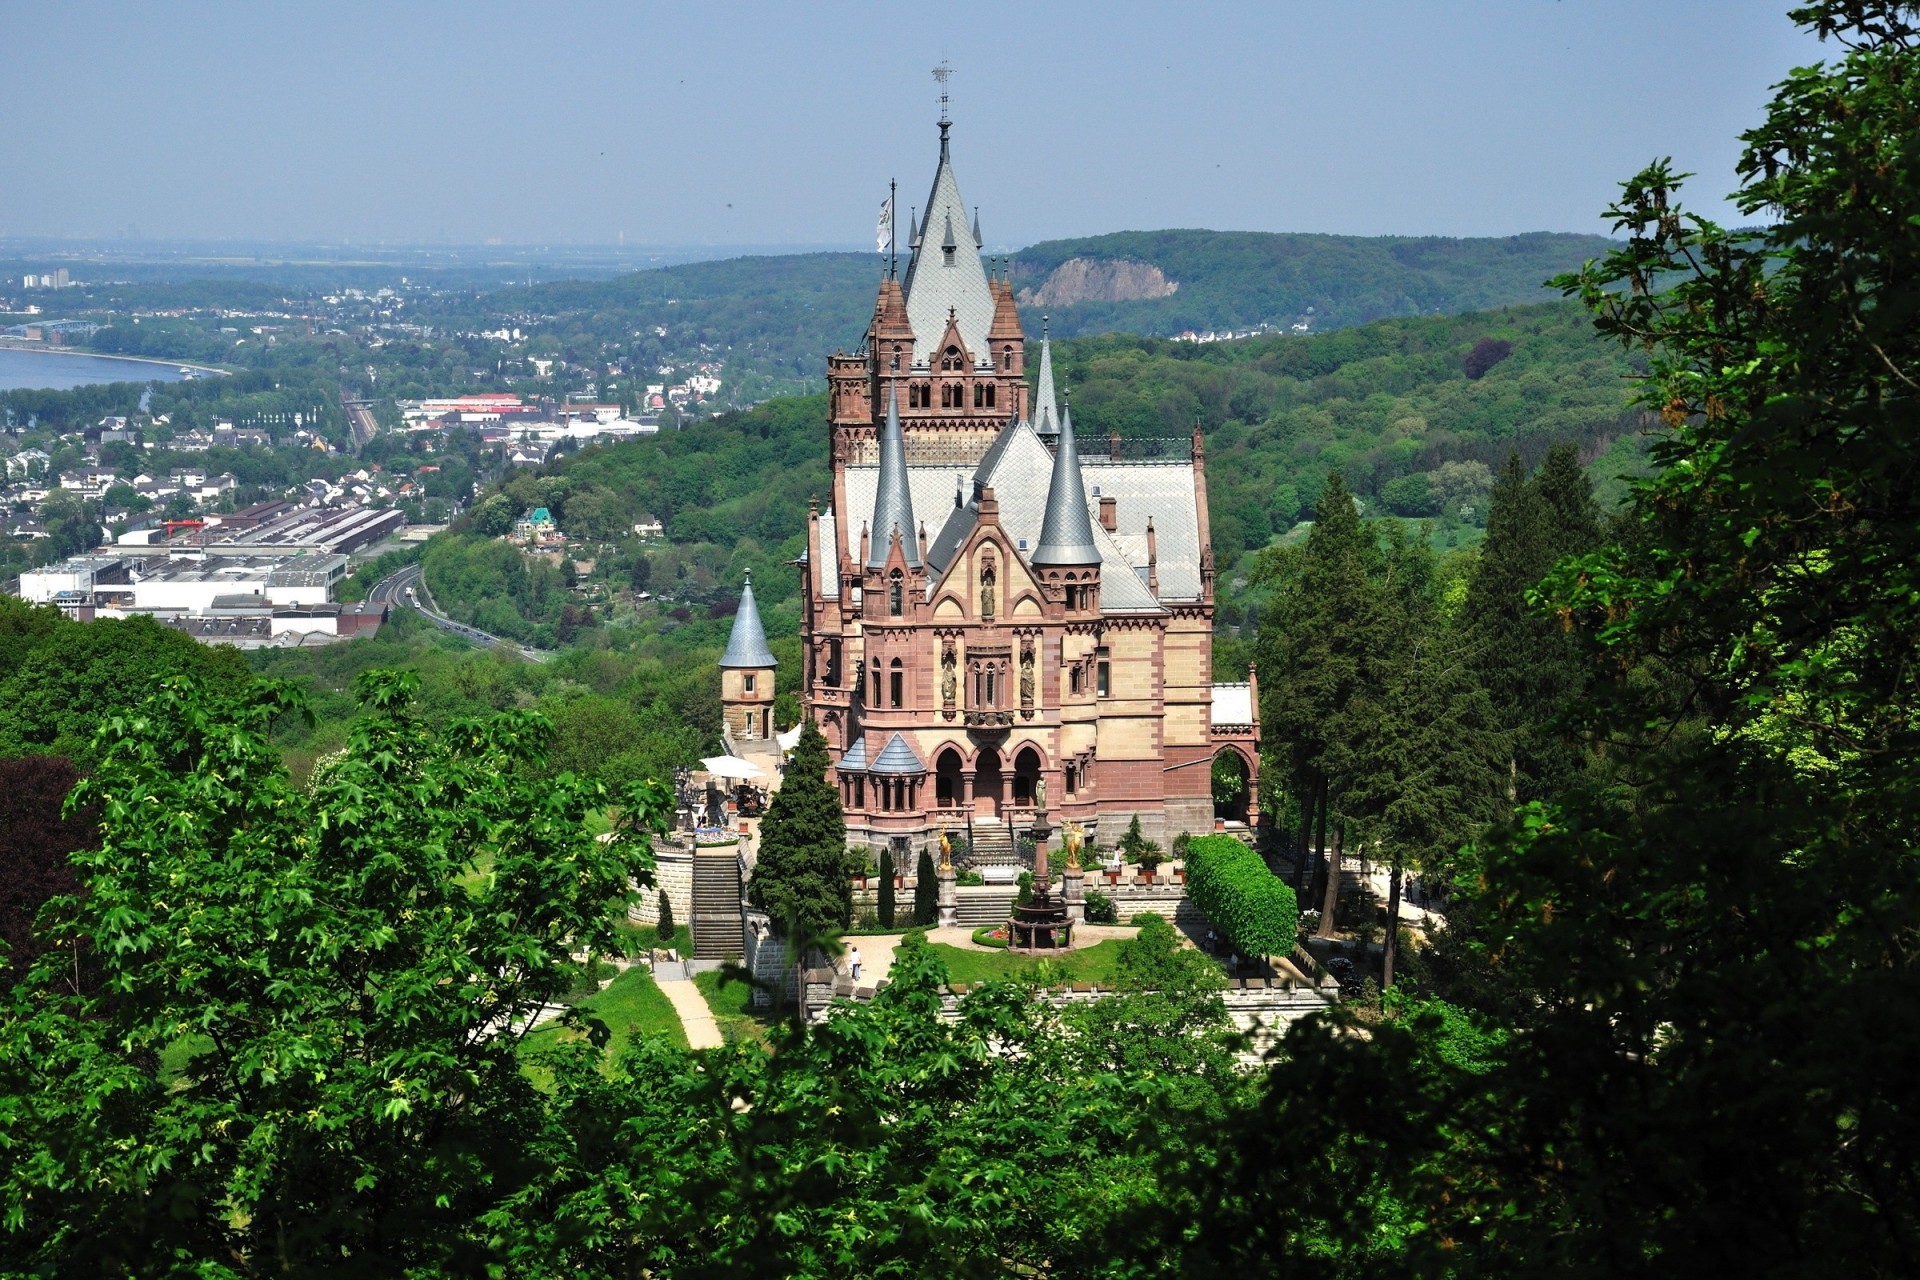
column 883, row 233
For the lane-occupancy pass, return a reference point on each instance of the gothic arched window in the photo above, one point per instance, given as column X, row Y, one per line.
column 898, row 686
column 950, row 361
column 896, row 595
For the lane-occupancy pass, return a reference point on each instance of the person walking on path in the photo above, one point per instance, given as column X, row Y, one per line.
column 853, row 962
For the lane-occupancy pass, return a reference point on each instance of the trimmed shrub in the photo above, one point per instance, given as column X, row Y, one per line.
column 984, row 937
column 1250, row 906
column 886, row 888
column 1101, row 909
column 926, row 892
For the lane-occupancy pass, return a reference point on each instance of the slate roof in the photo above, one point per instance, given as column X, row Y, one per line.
column 897, row 757
column 747, row 645
column 1066, row 532
column 1046, row 404
column 854, row 758
column 945, row 271
column 893, row 498
column 1020, row 469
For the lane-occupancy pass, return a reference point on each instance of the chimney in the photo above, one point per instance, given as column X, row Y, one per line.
column 1109, row 514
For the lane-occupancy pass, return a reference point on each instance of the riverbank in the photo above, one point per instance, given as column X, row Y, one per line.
column 41, row 348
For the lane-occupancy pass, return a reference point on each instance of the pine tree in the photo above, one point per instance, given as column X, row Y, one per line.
column 886, row 888
column 666, row 929
column 1530, row 669
column 1326, row 632
column 926, row 892
column 801, row 877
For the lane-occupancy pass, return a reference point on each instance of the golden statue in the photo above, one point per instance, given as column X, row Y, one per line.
column 1071, row 835
column 946, row 849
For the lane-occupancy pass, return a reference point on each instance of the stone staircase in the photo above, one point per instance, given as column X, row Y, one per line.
column 977, row 906
column 991, row 843
column 716, row 903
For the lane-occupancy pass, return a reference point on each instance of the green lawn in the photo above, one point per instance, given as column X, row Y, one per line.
column 638, row 939
column 633, row 1005
column 1096, row 964
column 731, row 1013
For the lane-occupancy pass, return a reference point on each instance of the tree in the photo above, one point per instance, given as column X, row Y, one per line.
column 1322, row 652
column 926, row 892
column 1528, row 666
column 665, row 929
column 36, row 840
column 886, row 887
column 801, row 877
column 306, row 1023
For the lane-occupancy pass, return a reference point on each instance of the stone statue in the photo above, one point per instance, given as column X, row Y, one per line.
column 1026, row 676
column 1040, row 794
column 949, row 680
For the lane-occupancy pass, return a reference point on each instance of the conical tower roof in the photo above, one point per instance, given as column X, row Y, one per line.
column 892, row 498
column 1046, row 404
column 945, row 273
column 747, row 646
column 1066, row 534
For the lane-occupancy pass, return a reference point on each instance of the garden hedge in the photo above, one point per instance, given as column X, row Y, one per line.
column 1249, row 905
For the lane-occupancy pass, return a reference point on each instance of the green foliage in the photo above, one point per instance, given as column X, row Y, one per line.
column 801, row 877
column 1101, row 909
column 340, row 977
column 1136, row 848
column 983, row 937
column 886, row 887
column 71, row 677
column 1247, row 903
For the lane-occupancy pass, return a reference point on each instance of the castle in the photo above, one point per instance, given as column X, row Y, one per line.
column 987, row 610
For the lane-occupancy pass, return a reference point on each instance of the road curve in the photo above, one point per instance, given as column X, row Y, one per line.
column 407, row 590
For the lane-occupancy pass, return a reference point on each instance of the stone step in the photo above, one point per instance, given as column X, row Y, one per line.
column 976, row 909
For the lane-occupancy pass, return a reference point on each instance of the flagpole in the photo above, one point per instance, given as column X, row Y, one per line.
column 893, row 252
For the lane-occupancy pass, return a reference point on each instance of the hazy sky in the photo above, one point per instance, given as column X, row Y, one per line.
column 780, row 123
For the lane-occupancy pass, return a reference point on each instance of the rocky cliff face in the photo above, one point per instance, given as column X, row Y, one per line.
column 1097, row 280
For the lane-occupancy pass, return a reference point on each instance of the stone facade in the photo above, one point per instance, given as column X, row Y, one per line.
column 672, row 874
column 990, row 616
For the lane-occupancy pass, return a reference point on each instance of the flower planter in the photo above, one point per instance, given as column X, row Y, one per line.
column 1146, row 877
column 1113, row 877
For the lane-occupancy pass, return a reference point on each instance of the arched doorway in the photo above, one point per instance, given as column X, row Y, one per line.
column 1230, row 789
column 988, row 785
column 1026, row 773
column 947, row 784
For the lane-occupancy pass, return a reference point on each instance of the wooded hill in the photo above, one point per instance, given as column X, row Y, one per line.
column 777, row 315
column 1416, row 413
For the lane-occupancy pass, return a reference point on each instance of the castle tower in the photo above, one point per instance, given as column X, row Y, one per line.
column 746, row 681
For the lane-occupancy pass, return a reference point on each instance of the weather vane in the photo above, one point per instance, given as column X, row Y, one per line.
column 940, row 73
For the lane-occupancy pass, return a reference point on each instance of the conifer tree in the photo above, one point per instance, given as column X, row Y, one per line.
column 801, row 877
column 1321, row 647
column 886, row 888
column 1519, row 655
column 666, row 929
column 926, row 892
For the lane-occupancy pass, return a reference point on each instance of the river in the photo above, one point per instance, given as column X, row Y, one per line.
column 22, row 370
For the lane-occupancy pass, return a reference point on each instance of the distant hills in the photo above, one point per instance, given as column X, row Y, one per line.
column 1161, row 283
column 780, row 314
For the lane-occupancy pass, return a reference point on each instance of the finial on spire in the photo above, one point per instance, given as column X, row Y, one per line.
column 940, row 74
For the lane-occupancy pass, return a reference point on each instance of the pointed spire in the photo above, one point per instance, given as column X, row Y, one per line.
column 948, row 245
column 747, row 645
column 1046, row 404
column 1066, row 534
column 954, row 278
column 892, row 499
column 978, row 243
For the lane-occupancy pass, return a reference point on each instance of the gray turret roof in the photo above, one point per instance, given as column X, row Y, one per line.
column 897, row 757
column 1046, row 404
column 947, row 275
column 892, row 497
column 1066, row 532
column 747, row 646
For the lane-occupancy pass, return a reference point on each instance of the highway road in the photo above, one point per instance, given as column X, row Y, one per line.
column 406, row 590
